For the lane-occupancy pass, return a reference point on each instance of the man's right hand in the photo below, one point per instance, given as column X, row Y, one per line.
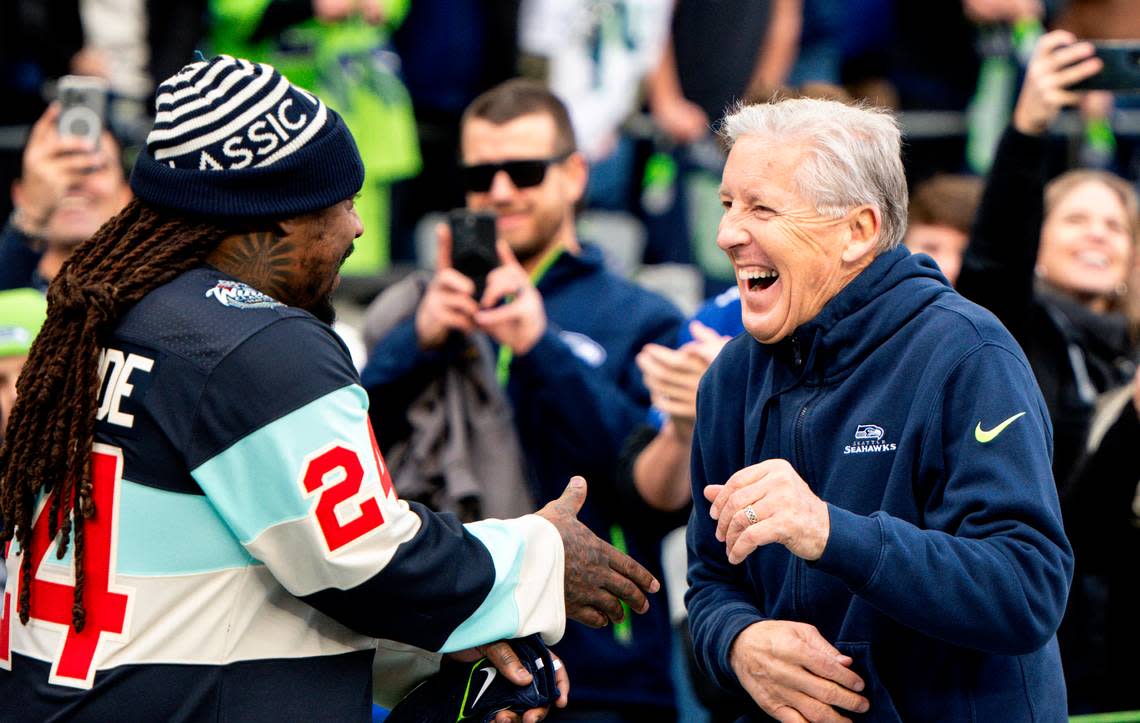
column 449, row 303
column 598, row 577
column 794, row 674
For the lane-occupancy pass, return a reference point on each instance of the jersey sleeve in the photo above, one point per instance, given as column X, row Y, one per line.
column 284, row 451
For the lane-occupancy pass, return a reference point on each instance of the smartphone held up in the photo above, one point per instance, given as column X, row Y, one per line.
column 83, row 106
column 1121, row 71
column 473, row 245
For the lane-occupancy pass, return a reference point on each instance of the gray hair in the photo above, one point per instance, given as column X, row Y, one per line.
column 852, row 156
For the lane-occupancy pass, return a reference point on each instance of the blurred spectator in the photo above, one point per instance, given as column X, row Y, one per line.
column 719, row 53
column 596, row 54
column 38, row 41
column 737, row 52
column 820, row 57
column 566, row 332
column 133, row 42
column 1075, row 239
column 450, row 51
column 1078, row 236
column 1100, row 145
column 22, row 313
column 338, row 49
column 1101, row 505
column 868, row 40
column 1103, row 19
column 941, row 212
column 65, row 192
column 954, row 55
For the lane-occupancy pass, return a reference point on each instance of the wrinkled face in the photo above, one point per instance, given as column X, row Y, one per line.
column 944, row 244
column 787, row 257
column 529, row 219
column 324, row 240
column 10, row 367
column 90, row 200
column 1086, row 243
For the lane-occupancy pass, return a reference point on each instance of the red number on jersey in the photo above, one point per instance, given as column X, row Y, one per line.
column 337, row 473
column 107, row 610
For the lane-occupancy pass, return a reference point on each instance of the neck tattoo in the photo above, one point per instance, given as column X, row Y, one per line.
column 261, row 260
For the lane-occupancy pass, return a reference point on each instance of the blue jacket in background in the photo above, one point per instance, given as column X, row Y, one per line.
column 947, row 568
column 19, row 261
column 576, row 396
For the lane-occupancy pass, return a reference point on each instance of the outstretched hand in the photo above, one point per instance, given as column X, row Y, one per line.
column 598, row 577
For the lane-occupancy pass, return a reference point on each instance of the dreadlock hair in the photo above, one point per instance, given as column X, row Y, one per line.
column 52, row 427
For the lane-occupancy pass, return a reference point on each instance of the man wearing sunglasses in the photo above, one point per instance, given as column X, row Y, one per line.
column 565, row 332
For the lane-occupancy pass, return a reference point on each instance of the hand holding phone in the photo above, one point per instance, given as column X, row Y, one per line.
column 1059, row 61
column 473, row 245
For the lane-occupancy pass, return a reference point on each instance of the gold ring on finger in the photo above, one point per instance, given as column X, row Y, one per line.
column 750, row 513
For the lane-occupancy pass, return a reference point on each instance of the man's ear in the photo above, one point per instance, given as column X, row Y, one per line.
column 864, row 225
column 577, row 172
column 283, row 227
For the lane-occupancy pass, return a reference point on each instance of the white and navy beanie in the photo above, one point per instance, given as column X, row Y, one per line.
column 234, row 139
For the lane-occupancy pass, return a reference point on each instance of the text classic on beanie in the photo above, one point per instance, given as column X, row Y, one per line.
column 235, row 139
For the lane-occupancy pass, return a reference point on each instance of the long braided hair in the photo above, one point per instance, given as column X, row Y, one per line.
column 52, row 426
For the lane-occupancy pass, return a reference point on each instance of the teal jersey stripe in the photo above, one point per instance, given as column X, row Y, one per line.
column 147, row 547
column 498, row 616
column 256, row 482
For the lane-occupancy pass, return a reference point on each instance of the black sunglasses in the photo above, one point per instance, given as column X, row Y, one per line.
column 524, row 173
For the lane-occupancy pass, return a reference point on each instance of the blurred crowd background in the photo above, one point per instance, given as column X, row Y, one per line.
column 645, row 81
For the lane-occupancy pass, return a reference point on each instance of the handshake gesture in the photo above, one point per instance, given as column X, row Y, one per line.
column 598, row 578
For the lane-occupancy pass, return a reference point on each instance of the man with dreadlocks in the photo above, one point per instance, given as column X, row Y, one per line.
column 192, row 439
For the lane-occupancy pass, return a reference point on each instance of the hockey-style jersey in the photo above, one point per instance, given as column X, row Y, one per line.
column 248, row 547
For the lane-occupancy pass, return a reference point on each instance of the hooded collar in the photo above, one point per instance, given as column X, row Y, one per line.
column 874, row 305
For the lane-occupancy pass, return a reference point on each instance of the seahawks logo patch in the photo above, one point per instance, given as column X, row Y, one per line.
column 241, row 296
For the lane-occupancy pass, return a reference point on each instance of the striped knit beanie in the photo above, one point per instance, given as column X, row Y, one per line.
column 234, row 139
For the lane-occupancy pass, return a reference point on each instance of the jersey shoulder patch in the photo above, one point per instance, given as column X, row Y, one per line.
column 239, row 295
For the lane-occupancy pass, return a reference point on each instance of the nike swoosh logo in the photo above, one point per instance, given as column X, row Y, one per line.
column 988, row 435
column 491, row 673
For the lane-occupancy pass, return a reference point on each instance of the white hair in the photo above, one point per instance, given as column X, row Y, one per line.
column 852, row 156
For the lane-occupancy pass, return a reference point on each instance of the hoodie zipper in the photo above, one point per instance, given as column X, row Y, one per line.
column 797, row 563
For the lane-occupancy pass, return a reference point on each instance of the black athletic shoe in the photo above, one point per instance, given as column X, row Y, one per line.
column 477, row 691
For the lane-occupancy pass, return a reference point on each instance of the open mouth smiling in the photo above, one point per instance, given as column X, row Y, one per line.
column 758, row 279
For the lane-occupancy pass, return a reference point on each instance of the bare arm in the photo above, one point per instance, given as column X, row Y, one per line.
column 680, row 119
column 661, row 472
column 778, row 53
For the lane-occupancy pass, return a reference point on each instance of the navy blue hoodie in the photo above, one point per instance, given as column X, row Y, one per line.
column 947, row 568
